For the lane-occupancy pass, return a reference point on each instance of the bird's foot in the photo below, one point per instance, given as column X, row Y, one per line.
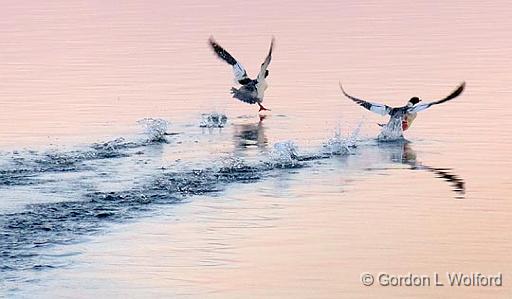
column 263, row 108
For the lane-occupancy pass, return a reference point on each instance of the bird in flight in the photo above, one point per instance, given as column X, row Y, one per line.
column 252, row 90
column 405, row 114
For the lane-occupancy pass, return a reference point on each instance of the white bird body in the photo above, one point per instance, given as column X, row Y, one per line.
column 261, row 87
column 404, row 115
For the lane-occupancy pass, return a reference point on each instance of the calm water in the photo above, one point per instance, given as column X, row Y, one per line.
column 97, row 201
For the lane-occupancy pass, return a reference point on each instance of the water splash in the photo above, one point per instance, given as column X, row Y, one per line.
column 213, row 120
column 24, row 232
column 392, row 131
column 155, row 129
column 26, row 167
column 232, row 162
column 285, row 155
column 111, row 148
column 341, row 144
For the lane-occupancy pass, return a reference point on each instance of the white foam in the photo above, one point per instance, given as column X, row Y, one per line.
column 213, row 120
column 284, row 154
column 341, row 144
column 155, row 129
column 392, row 131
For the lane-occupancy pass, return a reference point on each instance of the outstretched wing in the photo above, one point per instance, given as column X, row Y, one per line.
column 423, row 106
column 265, row 63
column 238, row 69
column 373, row 107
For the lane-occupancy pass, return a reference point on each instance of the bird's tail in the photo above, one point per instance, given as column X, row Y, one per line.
column 243, row 96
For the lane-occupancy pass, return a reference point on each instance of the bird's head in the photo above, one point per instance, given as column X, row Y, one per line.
column 266, row 73
column 413, row 101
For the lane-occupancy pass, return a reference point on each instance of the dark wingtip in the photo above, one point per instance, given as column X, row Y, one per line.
column 341, row 87
column 454, row 94
column 463, row 85
column 211, row 40
column 459, row 89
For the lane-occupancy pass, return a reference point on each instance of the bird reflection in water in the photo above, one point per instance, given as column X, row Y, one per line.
column 250, row 135
column 402, row 152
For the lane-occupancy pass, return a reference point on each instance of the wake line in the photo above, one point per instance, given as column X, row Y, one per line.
column 42, row 225
column 25, row 168
column 26, row 233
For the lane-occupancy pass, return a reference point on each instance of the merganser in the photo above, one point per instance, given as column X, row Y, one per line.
column 405, row 114
column 252, row 91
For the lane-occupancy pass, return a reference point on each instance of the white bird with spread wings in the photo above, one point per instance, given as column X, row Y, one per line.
column 252, row 91
column 405, row 114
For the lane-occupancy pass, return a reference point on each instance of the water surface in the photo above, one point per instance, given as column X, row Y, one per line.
column 97, row 200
